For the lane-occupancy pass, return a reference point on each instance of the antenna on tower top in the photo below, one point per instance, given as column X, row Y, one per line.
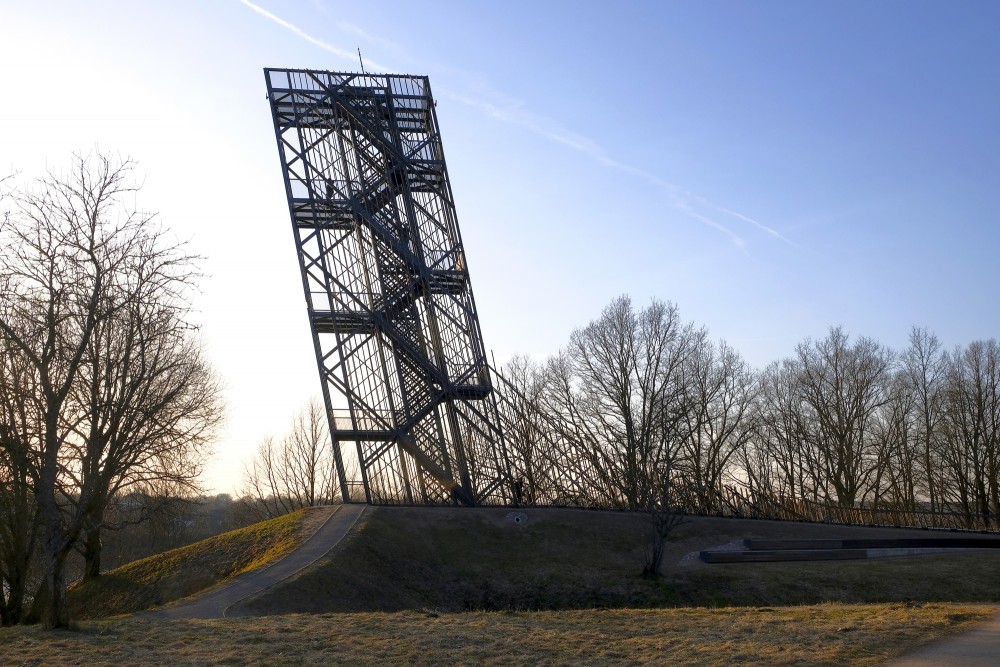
column 361, row 61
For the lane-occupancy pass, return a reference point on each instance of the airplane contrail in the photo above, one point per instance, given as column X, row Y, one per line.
column 679, row 198
column 340, row 53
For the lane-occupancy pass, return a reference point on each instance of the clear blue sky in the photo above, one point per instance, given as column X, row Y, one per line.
column 775, row 168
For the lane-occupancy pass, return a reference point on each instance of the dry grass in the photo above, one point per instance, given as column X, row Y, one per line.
column 182, row 572
column 817, row 635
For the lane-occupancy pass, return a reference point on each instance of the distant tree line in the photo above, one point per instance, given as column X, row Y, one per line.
column 294, row 471
column 640, row 401
column 104, row 388
column 142, row 524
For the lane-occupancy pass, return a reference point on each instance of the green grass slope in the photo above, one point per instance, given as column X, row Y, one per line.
column 178, row 573
column 455, row 559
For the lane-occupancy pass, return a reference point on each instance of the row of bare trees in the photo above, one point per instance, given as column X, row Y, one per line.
column 294, row 471
column 104, row 387
column 640, row 401
column 636, row 401
column 859, row 424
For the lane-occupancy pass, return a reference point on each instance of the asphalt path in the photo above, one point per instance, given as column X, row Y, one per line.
column 978, row 647
column 224, row 601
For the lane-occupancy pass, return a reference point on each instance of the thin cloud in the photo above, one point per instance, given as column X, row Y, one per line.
column 683, row 205
column 759, row 225
column 680, row 200
column 330, row 48
column 535, row 124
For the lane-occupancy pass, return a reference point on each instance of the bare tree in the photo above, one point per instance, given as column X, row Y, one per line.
column 55, row 268
column 18, row 511
column 149, row 399
column 719, row 388
column 618, row 384
column 617, row 392
column 843, row 386
column 19, row 521
column 75, row 260
column 782, row 465
column 895, row 447
column 294, row 472
column 971, row 428
column 665, row 514
column 528, row 431
column 926, row 365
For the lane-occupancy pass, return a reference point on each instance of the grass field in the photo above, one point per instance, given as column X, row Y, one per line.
column 815, row 635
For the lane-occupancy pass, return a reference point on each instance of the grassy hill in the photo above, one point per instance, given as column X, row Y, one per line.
column 456, row 559
column 459, row 559
column 181, row 572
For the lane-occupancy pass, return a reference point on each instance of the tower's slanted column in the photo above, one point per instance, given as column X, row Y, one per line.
column 394, row 323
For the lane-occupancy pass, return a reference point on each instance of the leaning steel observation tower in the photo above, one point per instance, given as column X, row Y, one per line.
column 401, row 358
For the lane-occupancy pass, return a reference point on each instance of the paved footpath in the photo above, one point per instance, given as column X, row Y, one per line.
column 977, row 648
column 216, row 603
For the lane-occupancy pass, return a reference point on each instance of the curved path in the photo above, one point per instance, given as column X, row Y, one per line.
column 219, row 601
column 978, row 647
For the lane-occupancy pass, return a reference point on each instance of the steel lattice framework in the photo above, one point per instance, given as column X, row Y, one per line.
column 400, row 353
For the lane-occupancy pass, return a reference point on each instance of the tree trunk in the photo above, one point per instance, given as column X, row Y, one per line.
column 38, row 602
column 12, row 609
column 56, row 612
column 92, row 552
column 20, row 535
